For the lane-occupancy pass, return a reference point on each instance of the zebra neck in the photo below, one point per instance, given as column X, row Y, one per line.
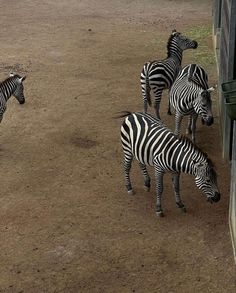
column 7, row 89
column 175, row 53
column 190, row 155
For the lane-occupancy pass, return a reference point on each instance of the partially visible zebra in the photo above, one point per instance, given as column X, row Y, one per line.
column 151, row 143
column 13, row 85
column 190, row 95
column 160, row 75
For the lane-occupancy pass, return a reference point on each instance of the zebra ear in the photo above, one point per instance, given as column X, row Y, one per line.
column 211, row 89
column 174, row 32
column 200, row 169
column 11, row 74
column 22, row 78
column 200, row 165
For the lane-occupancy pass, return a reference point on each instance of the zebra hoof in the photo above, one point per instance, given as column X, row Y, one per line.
column 160, row 214
column 183, row 209
column 169, row 112
column 131, row 192
column 181, row 206
column 146, row 188
column 188, row 132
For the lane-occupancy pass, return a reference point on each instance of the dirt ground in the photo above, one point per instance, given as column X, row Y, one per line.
column 66, row 222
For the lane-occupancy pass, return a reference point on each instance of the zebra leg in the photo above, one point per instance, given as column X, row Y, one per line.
column 169, row 106
column 146, row 96
column 146, row 177
column 145, row 105
column 178, row 200
column 127, row 167
column 189, row 128
column 159, row 190
column 178, row 120
column 194, row 122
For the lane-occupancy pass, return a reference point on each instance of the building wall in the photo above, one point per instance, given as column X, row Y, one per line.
column 224, row 15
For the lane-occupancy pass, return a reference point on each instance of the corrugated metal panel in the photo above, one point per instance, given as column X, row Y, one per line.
column 223, row 72
column 217, row 15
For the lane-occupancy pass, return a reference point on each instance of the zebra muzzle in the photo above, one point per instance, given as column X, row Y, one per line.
column 22, row 101
column 195, row 45
column 214, row 198
column 209, row 121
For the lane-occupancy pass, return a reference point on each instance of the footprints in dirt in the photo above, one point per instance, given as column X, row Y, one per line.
column 83, row 142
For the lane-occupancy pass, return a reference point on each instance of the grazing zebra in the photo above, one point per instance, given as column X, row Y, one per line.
column 151, row 143
column 190, row 95
column 160, row 75
column 13, row 85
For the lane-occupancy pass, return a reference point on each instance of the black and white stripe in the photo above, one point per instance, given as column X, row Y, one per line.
column 151, row 143
column 160, row 75
column 190, row 96
column 13, row 85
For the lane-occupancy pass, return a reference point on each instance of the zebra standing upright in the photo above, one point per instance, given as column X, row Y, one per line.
column 13, row 85
column 190, row 95
column 151, row 143
column 160, row 75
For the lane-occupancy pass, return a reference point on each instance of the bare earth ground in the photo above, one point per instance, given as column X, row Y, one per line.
column 67, row 224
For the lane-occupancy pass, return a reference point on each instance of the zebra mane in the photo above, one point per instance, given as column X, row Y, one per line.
column 10, row 78
column 189, row 143
column 194, row 72
column 169, row 42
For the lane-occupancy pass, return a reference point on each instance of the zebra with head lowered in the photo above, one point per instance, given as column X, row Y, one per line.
column 151, row 143
column 13, row 85
column 190, row 95
column 160, row 75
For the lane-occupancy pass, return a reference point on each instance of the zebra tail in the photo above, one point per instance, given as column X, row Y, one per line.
column 147, row 90
column 122, row 114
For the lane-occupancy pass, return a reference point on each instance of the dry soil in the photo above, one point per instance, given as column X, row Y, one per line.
column 66, row 222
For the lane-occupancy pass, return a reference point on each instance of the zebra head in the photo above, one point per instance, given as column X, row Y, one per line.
column 19, row 91
column 206, row 180
column 203, row 106
column 182, row 41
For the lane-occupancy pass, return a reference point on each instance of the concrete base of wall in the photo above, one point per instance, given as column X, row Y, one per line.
column 232, row 208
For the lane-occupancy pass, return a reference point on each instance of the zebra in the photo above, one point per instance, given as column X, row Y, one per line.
column 190, row 95
column 13, row 85
column 160, row 75
column 148, row 140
